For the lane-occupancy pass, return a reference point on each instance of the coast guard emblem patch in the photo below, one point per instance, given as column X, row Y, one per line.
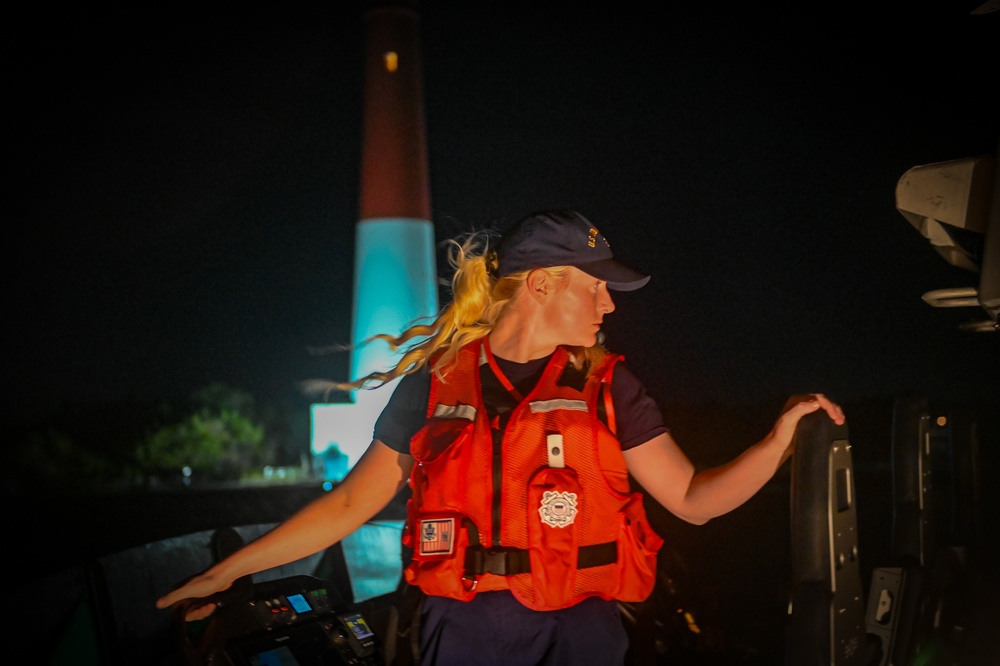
column 558, row 509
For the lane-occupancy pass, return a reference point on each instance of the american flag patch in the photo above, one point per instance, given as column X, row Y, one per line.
column 437, row 536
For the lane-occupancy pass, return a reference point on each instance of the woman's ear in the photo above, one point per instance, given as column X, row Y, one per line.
column 538, row 283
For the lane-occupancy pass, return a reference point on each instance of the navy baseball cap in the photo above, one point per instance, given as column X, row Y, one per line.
column 563, row 238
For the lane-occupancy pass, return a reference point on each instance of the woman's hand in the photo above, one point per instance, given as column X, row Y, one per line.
column 201, row 586
column 795, row 408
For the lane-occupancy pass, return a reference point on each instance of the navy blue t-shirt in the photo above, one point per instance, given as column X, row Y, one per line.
column 638, row 418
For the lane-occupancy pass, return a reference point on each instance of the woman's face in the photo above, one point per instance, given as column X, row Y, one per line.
column 574, row 315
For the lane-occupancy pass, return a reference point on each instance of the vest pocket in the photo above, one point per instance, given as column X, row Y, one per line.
column 553, row 515
column 439, row 542
column 437, row 436
column 638, row 545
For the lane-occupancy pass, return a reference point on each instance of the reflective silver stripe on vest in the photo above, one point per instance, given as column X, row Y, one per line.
column 467, row 412
column 558, row 403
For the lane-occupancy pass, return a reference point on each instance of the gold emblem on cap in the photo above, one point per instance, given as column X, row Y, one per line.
column 592, row 238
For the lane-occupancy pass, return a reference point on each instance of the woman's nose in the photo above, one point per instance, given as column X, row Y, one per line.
column 606, row 303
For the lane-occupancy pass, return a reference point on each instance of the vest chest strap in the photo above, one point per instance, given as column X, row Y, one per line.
column 513, row 561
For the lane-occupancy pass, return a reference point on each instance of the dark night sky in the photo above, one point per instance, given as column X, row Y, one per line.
column 185, row 187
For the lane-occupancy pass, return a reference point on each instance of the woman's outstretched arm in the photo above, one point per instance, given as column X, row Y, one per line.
column 368, row 488
column 664, row 472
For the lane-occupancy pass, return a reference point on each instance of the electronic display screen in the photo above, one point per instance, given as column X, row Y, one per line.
column 280, row 656
column 299, row 603
column 357, row 625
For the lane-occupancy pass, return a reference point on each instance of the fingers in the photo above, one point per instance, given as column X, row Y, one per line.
column 174, row 596
column 165, row 601
column 194, row 593
column 194, row 612
column 833, row 410
column 199, row 612
column 800, row 405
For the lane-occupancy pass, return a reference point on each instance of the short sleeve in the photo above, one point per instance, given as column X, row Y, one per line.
column 405, row 413
column 638, row 417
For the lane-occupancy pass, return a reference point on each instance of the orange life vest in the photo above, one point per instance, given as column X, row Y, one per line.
column 543, row 509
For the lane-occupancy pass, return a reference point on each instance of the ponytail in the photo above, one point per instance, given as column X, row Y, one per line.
column 479, row 298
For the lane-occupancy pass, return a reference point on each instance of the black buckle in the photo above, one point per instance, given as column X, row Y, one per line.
column 498, row 561
column 495, row 561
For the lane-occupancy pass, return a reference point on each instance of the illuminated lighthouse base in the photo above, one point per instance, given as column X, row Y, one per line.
column 395, row 285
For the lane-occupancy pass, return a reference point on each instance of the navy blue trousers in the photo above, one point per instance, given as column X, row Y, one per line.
column 494, row 629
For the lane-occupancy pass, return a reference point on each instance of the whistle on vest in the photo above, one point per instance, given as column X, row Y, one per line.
column 554, row 443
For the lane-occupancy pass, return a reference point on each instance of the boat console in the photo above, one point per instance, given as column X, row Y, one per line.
column 296, row 621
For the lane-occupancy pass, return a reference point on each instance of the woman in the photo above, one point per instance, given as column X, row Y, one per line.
column 524, row 430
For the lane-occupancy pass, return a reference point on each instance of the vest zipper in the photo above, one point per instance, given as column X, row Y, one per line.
column 498, row 442
column 497, row 484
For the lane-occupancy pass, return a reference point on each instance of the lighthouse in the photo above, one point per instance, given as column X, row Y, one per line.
column 395, row 277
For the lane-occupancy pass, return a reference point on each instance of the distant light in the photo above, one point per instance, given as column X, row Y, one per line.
column 942, row 421
column 328, row 486
column 391, row 59
column 691, row 623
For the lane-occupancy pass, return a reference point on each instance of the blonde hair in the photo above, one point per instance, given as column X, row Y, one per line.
column 479, row 299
